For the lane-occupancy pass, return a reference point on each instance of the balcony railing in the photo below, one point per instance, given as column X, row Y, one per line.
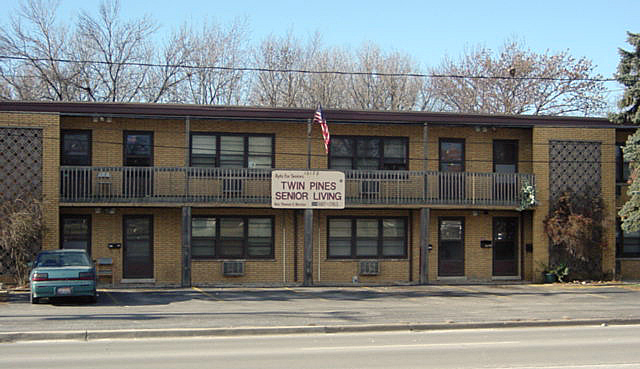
column 242, row 185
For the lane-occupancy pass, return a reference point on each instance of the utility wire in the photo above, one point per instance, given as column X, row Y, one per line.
column 303, row 71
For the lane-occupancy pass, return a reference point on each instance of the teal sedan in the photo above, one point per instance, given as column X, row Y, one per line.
column 62, row 273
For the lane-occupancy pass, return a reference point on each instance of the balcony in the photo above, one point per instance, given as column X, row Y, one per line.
column 253, row 186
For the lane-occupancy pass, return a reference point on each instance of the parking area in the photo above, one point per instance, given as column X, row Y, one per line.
column 297, row 306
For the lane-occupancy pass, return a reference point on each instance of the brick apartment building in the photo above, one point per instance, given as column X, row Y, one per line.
column 180, row 195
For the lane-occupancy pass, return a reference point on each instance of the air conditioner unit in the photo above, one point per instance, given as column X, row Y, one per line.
column 232, row 186
column 233, row 268
column 369, row 267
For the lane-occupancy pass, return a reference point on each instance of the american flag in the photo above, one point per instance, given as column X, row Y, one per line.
column 318, row 118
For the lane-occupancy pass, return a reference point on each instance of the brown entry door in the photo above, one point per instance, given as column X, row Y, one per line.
column 451, row 247
column 138, row 247
column 505, row 241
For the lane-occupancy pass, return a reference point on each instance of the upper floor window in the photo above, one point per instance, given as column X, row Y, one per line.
column 372, row 153
column 231, row 150
column 138, row 148
column 75, row 147
column 505, row 156
column 451, row 155
column 622, row 166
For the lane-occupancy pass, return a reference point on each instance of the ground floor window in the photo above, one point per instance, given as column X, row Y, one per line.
column 231, row 237
column 75, row 232
column 367, row 237
column 627, row 243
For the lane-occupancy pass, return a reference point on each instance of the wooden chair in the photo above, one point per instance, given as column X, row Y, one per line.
column 104, row 269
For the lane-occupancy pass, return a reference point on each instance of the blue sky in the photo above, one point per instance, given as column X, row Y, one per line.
column 426, row 30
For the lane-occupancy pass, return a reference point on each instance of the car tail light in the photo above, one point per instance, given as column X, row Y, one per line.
column 86, row 276
column 40, row 277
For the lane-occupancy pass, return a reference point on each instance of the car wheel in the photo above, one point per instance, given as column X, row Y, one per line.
column 34, row 300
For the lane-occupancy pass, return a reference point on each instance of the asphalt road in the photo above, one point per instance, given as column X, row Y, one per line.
column 598, row 347
column 321, row 306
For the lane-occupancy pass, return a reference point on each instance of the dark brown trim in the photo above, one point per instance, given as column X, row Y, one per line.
column 173, row 111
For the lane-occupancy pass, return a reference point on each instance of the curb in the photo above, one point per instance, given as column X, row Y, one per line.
column 90, row 335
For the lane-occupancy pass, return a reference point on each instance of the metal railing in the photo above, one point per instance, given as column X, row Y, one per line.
column 244, row 185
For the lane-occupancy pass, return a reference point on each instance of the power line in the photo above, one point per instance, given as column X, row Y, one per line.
column 304, row 71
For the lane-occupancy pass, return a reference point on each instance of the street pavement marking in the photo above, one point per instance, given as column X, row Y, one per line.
column 206, row 294
column 111, row 297
column 462, row 289
column 372, row 289
column 416, row 345
column 597, row 295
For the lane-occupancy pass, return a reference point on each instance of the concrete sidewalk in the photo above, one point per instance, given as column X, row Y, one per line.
column 241, row 311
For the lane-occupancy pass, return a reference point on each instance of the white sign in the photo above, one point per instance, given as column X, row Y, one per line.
column 298, row 189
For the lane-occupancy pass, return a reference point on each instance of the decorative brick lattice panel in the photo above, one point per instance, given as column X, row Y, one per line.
column 574, row 166
column 20, row 162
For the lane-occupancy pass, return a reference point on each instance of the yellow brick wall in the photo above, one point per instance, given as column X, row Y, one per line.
column 291, row 152
column 107, row 139
column 541, row 138
column 49, row 123
column 479, row 146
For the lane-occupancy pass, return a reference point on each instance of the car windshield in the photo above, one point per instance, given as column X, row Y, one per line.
column 62, row 259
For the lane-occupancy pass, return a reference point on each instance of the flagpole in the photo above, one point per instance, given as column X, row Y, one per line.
column 309, row 128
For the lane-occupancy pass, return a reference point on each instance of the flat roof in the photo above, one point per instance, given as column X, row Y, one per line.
column 182, row 111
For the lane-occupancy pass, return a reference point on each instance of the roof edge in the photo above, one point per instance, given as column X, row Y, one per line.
column 297, row 114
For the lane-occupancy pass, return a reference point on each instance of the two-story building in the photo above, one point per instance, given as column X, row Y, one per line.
column 180, row 195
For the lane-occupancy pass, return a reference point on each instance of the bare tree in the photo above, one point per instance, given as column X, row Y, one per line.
column 21, row 230
column 118, row 54
column 324, row 83
column 276, row 84
column 164, row 80
column 518, row 81
column 37, row 43
column 215, row 59
column 382, row 82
